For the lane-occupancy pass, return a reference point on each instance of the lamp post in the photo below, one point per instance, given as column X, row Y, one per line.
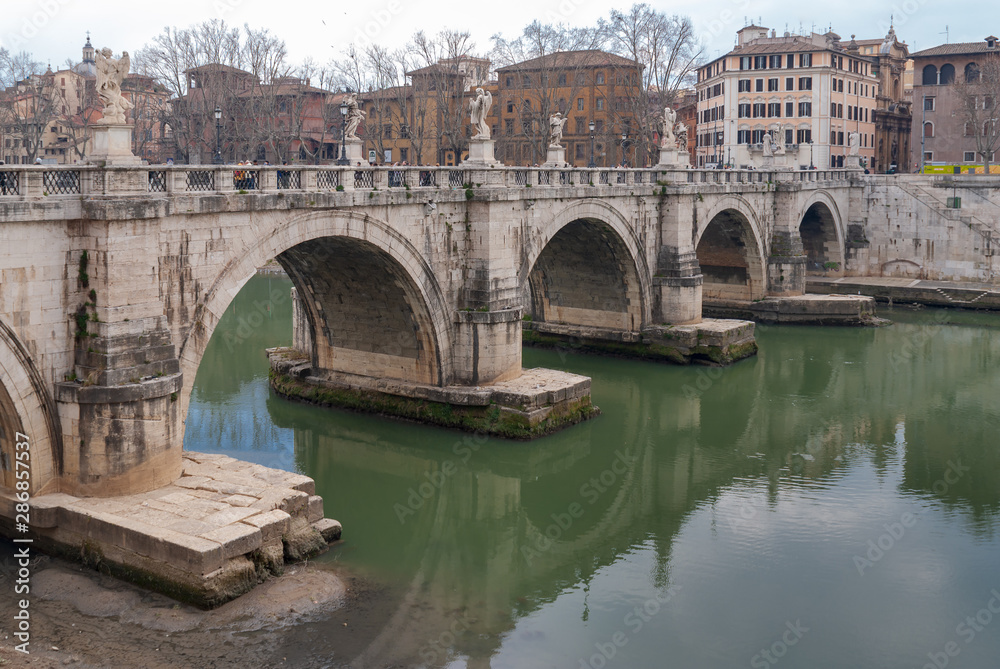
column 624, row 148
column 811, row 166
column 592, row 163
column 217, row 159
column 923, row 133
column 343, row 134
column 729, row 145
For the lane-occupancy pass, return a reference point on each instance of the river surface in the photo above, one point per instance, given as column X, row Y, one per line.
column 832, row 502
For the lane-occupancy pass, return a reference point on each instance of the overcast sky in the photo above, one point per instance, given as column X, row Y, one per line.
column 54, row 30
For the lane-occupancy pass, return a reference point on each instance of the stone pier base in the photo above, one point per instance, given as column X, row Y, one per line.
column 213, row 534
column 710, row 341
column 537, row 402
column 857, row 310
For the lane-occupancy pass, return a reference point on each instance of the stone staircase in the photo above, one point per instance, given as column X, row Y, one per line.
column 930, row 199
column 961, row 302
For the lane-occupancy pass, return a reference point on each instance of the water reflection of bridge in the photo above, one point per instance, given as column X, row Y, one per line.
column 463, row 552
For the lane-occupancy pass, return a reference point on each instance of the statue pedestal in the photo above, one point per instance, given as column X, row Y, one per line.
column 671, row 156
column 480, row 153
column 556, row 156
column 355, row 152
column 111, row 145
column 853, row 163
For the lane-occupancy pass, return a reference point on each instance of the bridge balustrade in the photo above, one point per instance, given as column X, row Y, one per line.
column 328, row 179
column 10, row 182
column 157, row 181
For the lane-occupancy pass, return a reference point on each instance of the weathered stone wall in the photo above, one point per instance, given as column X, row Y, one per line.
column 909, row 232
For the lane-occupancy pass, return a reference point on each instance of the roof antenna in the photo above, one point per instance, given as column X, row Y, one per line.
column 945, row 33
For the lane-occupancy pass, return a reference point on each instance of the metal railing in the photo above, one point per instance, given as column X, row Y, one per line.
column 199, row 181
column 364, row 179
column 456, row 179
column 157, row 181
column 328, row 180
column 10, row 183
column 61, row 182
column 246, row 180
column 289, row 179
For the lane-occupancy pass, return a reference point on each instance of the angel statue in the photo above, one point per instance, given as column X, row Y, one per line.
column 556, row 123
column 110, row 73
column 354, row 116
column 667, row 122
column 480, row 107
column 854, row 144
column 682, row 136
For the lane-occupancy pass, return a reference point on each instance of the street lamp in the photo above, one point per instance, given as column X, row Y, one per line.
column 811, row 166
column 729, row 145
column 624, row 148
column 217, row 159
column 343, row 133
column 592, row 163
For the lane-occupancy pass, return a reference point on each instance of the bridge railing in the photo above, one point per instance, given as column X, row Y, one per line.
column 82, row 180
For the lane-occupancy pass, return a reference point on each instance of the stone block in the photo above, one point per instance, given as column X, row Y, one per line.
column 236, row 539
column 314, row 508
column 329, row 528
column 272, row 524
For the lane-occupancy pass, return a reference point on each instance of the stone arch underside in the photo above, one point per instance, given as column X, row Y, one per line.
column 366, row 315
column 377, row 244
column 585, row 276
column 730, row 259
column 820, row 241
column 26, row 406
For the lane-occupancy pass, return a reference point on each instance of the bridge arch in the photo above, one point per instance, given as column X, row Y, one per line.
column 26, row 406
column 821, row 229
column 396, row 318
column 586, row 267
column 730, row 252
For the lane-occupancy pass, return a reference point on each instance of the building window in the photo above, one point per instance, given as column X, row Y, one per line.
column 805, row 60
column 744, row 110
column 510, row 107
column 581, row 125
column 928, row 129
column 804, row 136
column 759, row 86
column 745, row 63
column 508, row 126
column 743, row 137
column 947, row 74
column 789, row 83
column 929, row 77
column 744, row 86
column 772, row 85
column 805, row 83
column 562, row 79
column 790, row 61
column 971, row 73
column 774, row 109
column 775, row 62
column 579, row 104
column 600, row 103
column 581, row 151
column 805, row 109
column 404, row 155
column 760, row 62
column 928, row 156
column 789, row 109
column 759, row 110
column 789, row 136
column 970, row 156
column 928, row 104
column 600, row 78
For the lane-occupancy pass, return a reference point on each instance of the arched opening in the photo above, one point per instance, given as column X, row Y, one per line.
column 820, row 243
column 928, row 129
column 730, row 259
column 947, row 74
column 930, row 75
column 971, row 73
column 366, row 314
column 10, row 425
column 586, row 276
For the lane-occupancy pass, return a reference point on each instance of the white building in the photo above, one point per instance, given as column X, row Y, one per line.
column 811, row 92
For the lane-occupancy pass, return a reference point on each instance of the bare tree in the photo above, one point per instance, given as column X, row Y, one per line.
column 979, row 95
column 666, row 54
column 28, row 104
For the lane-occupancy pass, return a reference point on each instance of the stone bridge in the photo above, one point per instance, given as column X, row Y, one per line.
column 112, row 280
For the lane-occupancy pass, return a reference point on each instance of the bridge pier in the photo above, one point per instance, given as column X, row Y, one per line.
column 786, row 266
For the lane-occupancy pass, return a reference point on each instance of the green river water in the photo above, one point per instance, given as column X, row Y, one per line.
column 832, row 502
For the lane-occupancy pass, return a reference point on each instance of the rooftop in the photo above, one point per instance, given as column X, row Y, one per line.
column 585, row 58
column 960, row 48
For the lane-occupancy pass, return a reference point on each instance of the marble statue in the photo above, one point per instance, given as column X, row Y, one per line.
column 556, row 123
column 768, row 145
column 667, row 123
column 354, row 116
column 854, row 144
column 110, row 73
column 479, row 107
column 682, row 136
column 779, row 141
